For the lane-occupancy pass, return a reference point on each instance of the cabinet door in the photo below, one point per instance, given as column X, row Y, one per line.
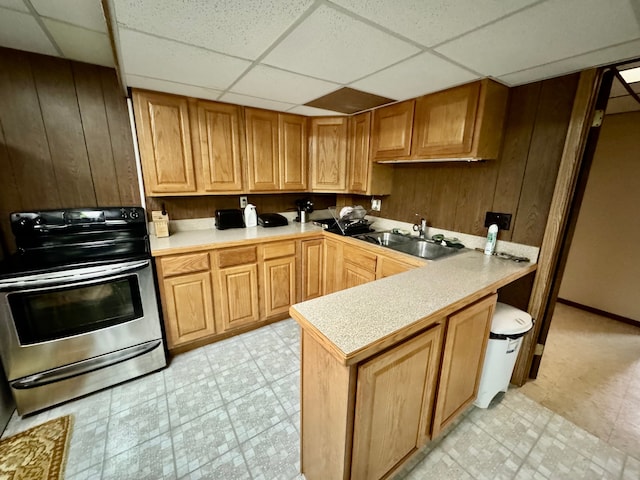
column 312, row 262
column 464, row 349
column 393, row 400
column 355, row 275
column 188, row 308
column 392, row 129
column 164, row 138
column 359, row 132
column 445, row 121
column 217, row 146
column 292, row 130
column 262, row 150
column 388, row 266
column 239, row 295
column 332, row 266
column 279, row 285
column 329, row 154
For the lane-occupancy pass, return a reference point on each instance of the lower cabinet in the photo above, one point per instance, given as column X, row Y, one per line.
column 363, row 421
column 332, row 266
column 279, row 277
column 394, row 398
column 388, row 266
column 464, row 349
column 312, row 268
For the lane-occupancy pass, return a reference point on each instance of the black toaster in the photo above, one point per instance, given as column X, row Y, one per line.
column 229, row 218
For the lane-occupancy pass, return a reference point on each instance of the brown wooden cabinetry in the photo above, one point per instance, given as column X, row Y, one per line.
column 328, row 150
column 388, row 266
column 216, row 146
column 332, row 266
column 359, row 267
column 464, row 349
column 392, row 130
column 279, row 277
column 237, row 282
column 365, row 176
column 312, row 268
column 164, row 137
column 394, row 399
column 187, row 298
column 276, row 150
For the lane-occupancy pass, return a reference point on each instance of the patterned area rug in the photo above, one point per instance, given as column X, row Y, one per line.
column 38, row 453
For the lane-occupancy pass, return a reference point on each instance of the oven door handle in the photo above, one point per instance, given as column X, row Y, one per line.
column 56, row 279
column 85, row 366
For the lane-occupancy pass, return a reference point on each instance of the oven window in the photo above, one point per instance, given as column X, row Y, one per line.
column 53, row 314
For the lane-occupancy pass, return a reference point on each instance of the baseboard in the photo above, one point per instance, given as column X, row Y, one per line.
column 597, row 311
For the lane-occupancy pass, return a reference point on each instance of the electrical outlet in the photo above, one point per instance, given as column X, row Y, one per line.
column 503, row 220
column 243, row 201
column 376, row 204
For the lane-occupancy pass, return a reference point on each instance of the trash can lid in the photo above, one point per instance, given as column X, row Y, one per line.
column 508, row 320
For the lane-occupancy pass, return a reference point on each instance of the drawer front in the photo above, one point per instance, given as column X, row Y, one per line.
column 361, row 258
column 231, row 257
column 280, row 249
column 179, row 264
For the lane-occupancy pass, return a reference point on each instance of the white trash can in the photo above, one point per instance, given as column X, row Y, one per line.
column 508, row 326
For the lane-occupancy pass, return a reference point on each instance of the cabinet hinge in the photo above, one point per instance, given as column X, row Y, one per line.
column 598, row 115
column 539, row 349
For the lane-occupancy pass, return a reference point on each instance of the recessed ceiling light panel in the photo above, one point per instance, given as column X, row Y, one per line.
column 631, row 75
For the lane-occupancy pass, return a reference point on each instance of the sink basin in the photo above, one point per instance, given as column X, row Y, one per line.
column 413, row 246
column 386, row 239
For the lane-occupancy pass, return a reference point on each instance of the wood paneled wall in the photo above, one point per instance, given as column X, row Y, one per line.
column 456, row 196
column 205, row 206
column 65, row 139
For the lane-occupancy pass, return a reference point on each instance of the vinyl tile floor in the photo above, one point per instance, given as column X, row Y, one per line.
column 231, row 410
column 590, row 374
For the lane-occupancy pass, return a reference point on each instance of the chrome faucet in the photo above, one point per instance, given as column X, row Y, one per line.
column 421, row 228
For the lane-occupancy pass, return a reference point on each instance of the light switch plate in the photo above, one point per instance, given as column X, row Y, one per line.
column 376, row 204
column 243, row 201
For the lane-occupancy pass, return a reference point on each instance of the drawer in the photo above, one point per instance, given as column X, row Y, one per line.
column 280, row 249
column 179, row 264
column 230, row 257
column 359, row 257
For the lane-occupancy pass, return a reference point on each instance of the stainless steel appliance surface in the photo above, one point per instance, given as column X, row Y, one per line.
column 78, row 306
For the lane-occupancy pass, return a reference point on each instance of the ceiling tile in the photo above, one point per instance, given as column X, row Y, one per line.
column 80, row 44
column 331, row 45
column 85, row 13
column 172, row 87
column 22, row 32
column 255, row 102
column 314, row 112
column 167, row 60
column 435, row 21
column 14, row 5
column 622, row 105
column 617, row 90
column 417, row 76
column 547, row 32
column 574, row 64
column 242, row 28
column 271, row 83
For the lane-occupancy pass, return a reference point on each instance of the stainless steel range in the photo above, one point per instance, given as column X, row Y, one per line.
column 78, row 308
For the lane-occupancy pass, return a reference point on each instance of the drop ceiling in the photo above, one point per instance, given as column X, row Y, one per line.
column 281, row 54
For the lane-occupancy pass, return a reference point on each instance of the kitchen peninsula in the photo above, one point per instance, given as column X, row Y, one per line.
column 386, row 366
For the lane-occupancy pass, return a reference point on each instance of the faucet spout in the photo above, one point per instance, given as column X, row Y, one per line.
column 421, row 228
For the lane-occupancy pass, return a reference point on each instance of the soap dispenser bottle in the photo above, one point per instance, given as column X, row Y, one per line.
column 250, row 216
column 492, row 236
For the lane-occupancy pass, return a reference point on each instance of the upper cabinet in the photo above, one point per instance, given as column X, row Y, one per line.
column 462, row 123
column 392, row 128
column 216, row 146
column 164, row 137
column 328, row 147
column 276, row 151
column 365, row 176
column 188, row 147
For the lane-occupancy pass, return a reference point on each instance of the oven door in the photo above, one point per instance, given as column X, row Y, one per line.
column 55, row 319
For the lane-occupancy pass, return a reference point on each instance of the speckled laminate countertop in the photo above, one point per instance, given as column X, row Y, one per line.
column 194, row 240
column 351, row 322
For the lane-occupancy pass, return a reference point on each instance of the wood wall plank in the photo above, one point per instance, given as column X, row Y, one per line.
column 9, row 198
column 545, row 153
column 475, row 197
column 61, row 117
column 96, row 133
column 521, row 117
column 24, row 133
column 121, row 139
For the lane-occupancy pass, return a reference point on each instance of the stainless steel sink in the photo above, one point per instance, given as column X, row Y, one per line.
column 426, row 249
